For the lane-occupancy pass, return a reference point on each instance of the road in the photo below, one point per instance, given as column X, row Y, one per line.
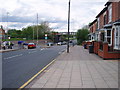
column 19, row 66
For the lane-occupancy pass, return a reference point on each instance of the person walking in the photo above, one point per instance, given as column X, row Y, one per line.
column 4, row 45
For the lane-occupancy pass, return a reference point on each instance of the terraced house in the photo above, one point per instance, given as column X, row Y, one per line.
column 2, row 33
column 105, row 31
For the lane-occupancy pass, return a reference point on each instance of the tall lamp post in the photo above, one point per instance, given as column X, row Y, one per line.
column 37, row 28
column 68, row 26
column 7, row 24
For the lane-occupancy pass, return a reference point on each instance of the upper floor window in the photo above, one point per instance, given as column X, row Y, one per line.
column 110, row 13
column 105, row 17
column 98, row 23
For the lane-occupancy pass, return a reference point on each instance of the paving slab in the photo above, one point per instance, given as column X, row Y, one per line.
column 79, row 69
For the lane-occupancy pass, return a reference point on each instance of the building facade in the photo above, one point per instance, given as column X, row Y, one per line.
column 105, row 31
column 2, row 33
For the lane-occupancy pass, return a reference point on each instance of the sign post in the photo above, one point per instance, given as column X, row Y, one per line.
column 46, row 37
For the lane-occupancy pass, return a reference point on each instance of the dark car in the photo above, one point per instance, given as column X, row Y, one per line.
column 31, row 45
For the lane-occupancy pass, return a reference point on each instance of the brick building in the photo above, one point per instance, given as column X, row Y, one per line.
column 2, row 33
column 105, row 31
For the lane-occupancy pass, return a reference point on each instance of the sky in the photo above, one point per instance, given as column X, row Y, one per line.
column 18, row 14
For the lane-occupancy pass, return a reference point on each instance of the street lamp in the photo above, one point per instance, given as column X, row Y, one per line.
column 37, row 28
column 7, row 23
column 68, row 26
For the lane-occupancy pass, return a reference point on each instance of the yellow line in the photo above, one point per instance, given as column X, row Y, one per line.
column 25, row 84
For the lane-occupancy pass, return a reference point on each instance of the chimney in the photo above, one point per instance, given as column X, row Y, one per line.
column 1, row 27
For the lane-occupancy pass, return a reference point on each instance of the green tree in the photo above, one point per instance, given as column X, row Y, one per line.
column 13, row 33
column 27, row 32
column 82, row 35
column 42, row 29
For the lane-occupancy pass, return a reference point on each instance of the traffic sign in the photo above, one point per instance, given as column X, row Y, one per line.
column 46, row 37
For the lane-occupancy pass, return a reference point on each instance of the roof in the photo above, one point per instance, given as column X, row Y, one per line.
column 108, row 3
column 102, row 12
column 2, row 29
column 92, row 22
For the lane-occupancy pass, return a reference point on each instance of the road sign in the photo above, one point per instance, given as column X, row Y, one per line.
column 46, row 37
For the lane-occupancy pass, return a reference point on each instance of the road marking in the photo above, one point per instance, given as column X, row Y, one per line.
column 42, row 49
column 32, row 52
column 13, row 56
column 59, row 52
column 25, row 84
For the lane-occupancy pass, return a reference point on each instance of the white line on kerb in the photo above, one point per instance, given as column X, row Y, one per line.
column 13, row 56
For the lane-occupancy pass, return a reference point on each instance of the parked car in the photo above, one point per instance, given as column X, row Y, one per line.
column 31, row 45
column 59, row 43
column 49, row 44
column 64, row 43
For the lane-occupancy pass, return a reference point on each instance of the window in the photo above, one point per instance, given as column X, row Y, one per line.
column 108, row 36
column 102, row 36
column 117, row 37
column 105, row 19
column 97, row 36
column 98, row 26
column 110, row 13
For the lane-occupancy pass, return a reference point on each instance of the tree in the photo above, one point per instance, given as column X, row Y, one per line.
column 13, row 33
column 43, row 29
column 82, row 35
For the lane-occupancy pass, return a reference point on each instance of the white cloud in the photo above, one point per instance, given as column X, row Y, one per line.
column 24, row 12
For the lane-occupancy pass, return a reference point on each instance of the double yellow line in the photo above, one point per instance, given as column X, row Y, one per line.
column 25, row 84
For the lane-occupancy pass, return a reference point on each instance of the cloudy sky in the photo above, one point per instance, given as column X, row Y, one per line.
column 22, row 13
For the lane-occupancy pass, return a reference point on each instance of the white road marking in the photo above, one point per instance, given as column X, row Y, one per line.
column 42, row 49
column 32, row 52
column 13, row 56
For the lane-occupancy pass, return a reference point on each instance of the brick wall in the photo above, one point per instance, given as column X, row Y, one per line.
column 108, row 55
column 115, row 11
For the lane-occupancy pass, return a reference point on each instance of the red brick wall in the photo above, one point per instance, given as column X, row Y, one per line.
column 96, row 47
column 91, row 28
column 3, row 32
column 115, row 11
column 94, row 27
column 108, row 55
column 101, row 21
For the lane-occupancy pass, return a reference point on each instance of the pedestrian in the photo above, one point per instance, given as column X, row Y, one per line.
column 4, row 45
column 9, row 45
column 25, row 45
column 73, row 44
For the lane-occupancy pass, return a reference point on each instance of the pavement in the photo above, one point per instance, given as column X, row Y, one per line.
column 8, row 50
column 78, row 69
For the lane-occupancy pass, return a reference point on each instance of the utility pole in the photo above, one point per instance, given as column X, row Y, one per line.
column 68, row 26
column 33, row 31
column 7, row 21
column 37, row 28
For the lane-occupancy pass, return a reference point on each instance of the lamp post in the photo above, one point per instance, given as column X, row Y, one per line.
column 33, row 31
column 68, row 26
column 37, row 28
column 7, row 24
